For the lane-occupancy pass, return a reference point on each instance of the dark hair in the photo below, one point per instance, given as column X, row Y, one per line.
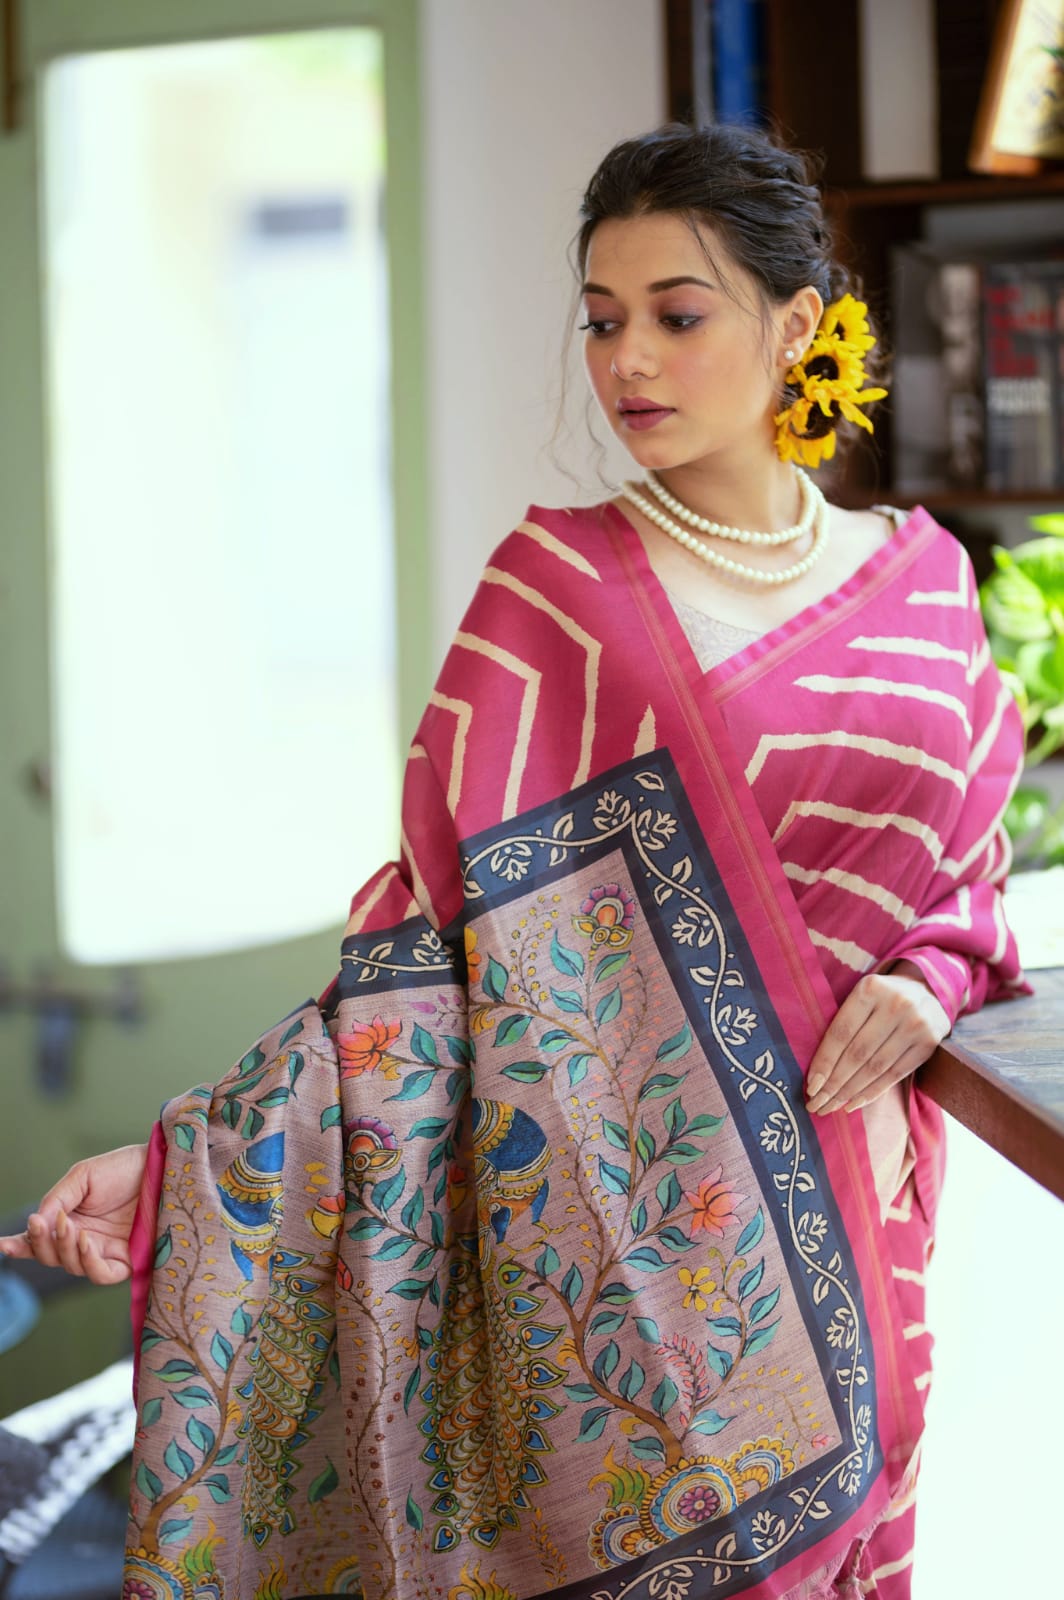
column 760, row 198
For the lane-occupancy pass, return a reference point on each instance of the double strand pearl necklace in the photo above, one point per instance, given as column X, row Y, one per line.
column 723, row 530
column 737, row 570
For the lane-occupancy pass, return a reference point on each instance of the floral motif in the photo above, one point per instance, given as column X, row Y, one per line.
column 151, row 1577
column 370, row 1150
column 699, row 1284
column 474, row 958
column 366, row 1048
column 713, row 1205
column 344, row 1577
column 512, row 860
column 607, row 917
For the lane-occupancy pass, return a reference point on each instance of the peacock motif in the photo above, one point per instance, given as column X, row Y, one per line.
column 251, row 1192
column 287, row 1375
column 486, row 1399
column 511, row 1156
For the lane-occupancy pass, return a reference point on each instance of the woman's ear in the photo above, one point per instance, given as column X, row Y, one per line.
column 799, row 322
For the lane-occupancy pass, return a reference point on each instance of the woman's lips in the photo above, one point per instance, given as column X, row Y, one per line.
column 646, row 419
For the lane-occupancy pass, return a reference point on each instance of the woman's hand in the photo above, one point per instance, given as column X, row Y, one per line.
column 888, row 1025
column 84, row 1221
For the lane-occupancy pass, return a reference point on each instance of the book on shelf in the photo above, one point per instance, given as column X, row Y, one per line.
column 1023, row 373
column 978, row 384
column 737, row 51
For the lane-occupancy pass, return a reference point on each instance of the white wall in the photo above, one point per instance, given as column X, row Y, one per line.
column 520, row 102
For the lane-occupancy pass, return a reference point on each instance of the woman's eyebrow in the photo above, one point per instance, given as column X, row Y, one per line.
column 652, row 288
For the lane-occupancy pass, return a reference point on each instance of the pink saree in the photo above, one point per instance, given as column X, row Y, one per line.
column 515, row 1264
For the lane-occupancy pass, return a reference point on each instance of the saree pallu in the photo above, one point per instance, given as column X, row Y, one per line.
column 515, row 1264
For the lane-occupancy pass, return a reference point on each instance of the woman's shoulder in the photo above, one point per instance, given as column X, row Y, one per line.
column 564, row 539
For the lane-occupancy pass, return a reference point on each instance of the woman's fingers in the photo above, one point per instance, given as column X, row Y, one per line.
column 65, row 1234
column 887, row 1026
column 100, row 1269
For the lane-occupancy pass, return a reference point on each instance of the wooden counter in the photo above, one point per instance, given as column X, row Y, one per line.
column 1001, row 1073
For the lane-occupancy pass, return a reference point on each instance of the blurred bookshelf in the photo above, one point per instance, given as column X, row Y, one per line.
column 818, row 71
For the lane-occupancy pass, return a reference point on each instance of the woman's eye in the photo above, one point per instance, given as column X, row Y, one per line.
column 596, row 327
column 678, row 321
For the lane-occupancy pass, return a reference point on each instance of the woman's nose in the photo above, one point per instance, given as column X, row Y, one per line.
column 632, row 357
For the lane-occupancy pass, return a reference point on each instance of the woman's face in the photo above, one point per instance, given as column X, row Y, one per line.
column 667, row 332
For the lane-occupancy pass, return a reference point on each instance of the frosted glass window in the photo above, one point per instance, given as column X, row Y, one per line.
column 224, row 650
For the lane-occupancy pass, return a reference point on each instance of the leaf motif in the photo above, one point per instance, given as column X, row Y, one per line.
column 646, row 1258
column 410, row 1387
column 608, row 965
column 571, row 962
column 411, row 1213
column 572, row 1284
column 415, row 1084
column 149, row 1485
column 276, row 1097
column 682, row 870
column 512, row 1028
column 547, row 1261
column 324, row 1484
column 664, row 1397
column 593, row 1422
column 217, row 1486
column 615, row 1134
column 458, row 1049
column 669, row 1193
column 632, row 1382
column 614, row 1178
column 163, row 1248
column 606, row 1362
column 649, row 1448
column 724, row 1327
column 179, row 1461
column 638, row 1221
column 705, row 1123
column 429, row 1127
column 567, row 1000
column 751, row 1234
column 708, row 1421
column 254, row 1123
column 750, row 1280
column 193, row 1397
column 411, row 1288
column 150, row 1412
column 174, row 1529
column 617, row 1294
column 645, row 1147
column 365, row 1228
column 675, row 1117
column 526, row 1071
column 580, row 1392
column 648, row 1329
column 555, row 1039
column 608, row 1007
column 761, row 1308
column 607, row 1321
column 650, row 780
column 495, row 980
column 331, row 1117
column 388, row 1190
column 761, row 1338
column 578, row 1065
column 719, row 1360
column 675, row 1239
column 221, row 1352
column 185, row 1135
column 393, row 1248
column 200, row 1435
column 658, row 1085
column 413, row 1514
column 676, row 1046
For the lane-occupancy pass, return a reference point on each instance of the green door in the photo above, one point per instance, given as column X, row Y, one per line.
column 94, row 1037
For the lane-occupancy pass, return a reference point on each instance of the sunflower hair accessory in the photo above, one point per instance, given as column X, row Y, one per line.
column 829, row 376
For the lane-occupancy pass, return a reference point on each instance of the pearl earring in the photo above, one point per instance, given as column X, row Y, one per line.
column 789, row 355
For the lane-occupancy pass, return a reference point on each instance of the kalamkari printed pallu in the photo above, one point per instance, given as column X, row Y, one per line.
column 515, row 1265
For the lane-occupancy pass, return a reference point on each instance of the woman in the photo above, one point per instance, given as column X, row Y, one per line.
column 575, row 1239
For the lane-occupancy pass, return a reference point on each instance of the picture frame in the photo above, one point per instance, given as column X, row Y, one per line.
column 1019, row 126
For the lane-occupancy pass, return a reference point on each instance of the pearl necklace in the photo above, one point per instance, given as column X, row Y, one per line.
column 721, row 530
column 737, row 570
